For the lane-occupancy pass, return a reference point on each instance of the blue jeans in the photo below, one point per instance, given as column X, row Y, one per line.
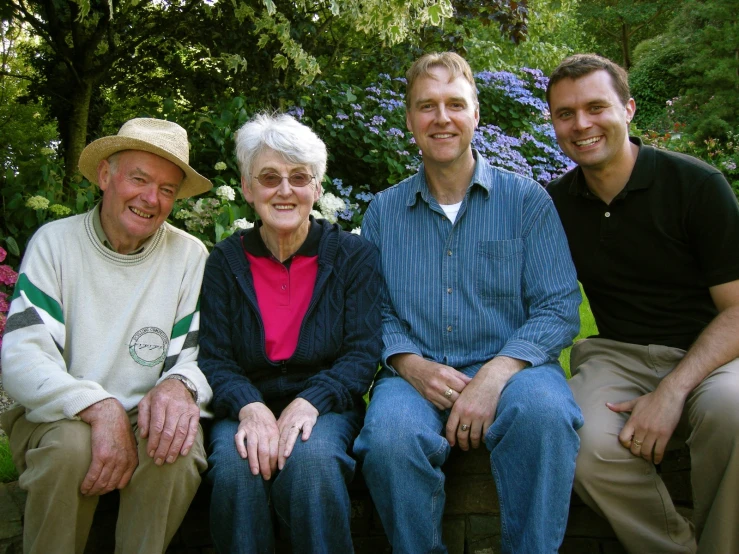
column 309, row 494
column 533, row 444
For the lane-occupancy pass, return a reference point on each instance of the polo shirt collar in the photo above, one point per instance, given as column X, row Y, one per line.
column 642, row 175
column 419, row 187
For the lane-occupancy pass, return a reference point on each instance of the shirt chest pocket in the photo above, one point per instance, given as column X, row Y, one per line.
column 498, row 268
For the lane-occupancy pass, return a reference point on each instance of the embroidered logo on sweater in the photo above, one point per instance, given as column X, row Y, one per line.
column 149, row 346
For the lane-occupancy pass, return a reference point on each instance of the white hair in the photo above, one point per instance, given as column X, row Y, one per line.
column 295, row 142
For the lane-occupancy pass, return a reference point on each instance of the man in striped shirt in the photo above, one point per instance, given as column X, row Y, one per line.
column 100, row 351
column 483, row 297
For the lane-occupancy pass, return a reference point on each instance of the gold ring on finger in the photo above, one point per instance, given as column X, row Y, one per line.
column 637, row 443
column 464, row 427
column 448, row 393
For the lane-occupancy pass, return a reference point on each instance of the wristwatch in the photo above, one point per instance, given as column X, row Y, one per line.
column 189, row 385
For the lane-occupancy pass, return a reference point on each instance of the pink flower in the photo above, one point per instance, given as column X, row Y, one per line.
column 4, row 306
column 3, row 253
column 7, row 275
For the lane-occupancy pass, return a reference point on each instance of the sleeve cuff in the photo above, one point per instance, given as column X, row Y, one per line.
column 242, row 395
column 320, row 397
column 526, row 351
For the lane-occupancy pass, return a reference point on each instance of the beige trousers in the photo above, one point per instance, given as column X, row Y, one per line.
column 53, row 458
column 627, row 490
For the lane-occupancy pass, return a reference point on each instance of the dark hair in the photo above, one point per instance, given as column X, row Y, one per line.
column 580, row 65
column 453, row 62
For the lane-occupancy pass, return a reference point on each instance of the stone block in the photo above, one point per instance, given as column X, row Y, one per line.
column 361, row 519
column 578, row 545
column 453, row 534
column 11, row 516
column 475, row 461
column 372, row 545
column 676, row 460
column 584, row 522
column 490, row 545
column 483, row 526
column 678, row 483
column 471, row 494
column 613, row 547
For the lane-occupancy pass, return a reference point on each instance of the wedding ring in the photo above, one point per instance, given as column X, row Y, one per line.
column 448, row 393
column 464, row 427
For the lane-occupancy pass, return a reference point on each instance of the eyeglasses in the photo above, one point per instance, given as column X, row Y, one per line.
column 272, row 180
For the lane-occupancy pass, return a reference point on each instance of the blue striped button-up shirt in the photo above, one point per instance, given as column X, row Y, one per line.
column 499, row 281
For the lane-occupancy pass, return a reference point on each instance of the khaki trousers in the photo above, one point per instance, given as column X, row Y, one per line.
column 627, row 490
column 53, row 458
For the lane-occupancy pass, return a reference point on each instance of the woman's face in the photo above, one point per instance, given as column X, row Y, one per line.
column 283, row 209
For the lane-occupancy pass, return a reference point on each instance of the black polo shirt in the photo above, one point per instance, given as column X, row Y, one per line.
column 647, row 259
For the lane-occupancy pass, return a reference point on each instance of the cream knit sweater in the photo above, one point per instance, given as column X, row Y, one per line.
column 86, row 323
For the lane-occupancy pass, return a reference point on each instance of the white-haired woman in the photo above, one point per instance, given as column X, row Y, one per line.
column 289, row 341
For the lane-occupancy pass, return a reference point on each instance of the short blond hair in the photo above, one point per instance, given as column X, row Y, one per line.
column 453, row 62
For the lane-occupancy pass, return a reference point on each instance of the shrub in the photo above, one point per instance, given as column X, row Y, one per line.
column 368, row 143
column 723, row 155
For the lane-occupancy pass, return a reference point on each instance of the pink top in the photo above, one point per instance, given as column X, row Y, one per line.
column 283, row 290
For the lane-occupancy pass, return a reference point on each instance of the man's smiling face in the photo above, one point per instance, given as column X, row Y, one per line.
column 139, row 190
column 591, row 123
column 442, row 115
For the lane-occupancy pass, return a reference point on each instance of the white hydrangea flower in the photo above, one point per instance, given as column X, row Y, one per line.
column 357, row 231
column 183, row 214
column 59, row 210
column 198, row 207
column 226, row 193
column 330, row 205
column 242, row 224
column 37, row 203
column 220, row 166
column 317, row 214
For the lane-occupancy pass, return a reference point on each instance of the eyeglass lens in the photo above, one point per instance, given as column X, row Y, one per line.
column 272, row 180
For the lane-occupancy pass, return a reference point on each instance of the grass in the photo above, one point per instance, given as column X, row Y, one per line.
column 587, row 328
column 8, row 472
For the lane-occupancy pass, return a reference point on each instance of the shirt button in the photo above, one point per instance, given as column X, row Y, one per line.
column 449, row 328
column 448, row 252
column 608, row 214
column 284, row 287
column 449, row 290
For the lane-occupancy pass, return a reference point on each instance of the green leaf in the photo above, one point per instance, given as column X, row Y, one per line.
column 12, row 246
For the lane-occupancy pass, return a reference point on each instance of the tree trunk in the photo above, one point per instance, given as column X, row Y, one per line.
column 625, row 46
column 77, row 125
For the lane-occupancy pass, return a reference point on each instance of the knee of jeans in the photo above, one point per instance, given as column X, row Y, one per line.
column 227, row 469
column 542, row 415
column 399, row 446
column 318, row 457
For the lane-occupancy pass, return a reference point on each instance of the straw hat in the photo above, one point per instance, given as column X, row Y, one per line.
column 163, row 138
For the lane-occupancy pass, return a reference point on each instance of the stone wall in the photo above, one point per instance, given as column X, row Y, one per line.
column 471, row 519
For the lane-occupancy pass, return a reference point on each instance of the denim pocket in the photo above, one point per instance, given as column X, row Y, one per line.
column 498, row 268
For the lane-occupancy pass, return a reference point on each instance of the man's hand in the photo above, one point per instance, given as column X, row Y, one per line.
column 168, row 418
column 257, row 438
column 654, row 417
column 299, row 415
column 114, row 455
column 439, row 384
column 474, row 411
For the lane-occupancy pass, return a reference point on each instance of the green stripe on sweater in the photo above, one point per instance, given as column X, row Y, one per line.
column 183, row 325
column 38, row 298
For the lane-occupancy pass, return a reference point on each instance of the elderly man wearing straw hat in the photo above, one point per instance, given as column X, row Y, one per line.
column 100, row 351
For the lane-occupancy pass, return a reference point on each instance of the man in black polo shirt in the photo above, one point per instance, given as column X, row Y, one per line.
column 655, row 239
